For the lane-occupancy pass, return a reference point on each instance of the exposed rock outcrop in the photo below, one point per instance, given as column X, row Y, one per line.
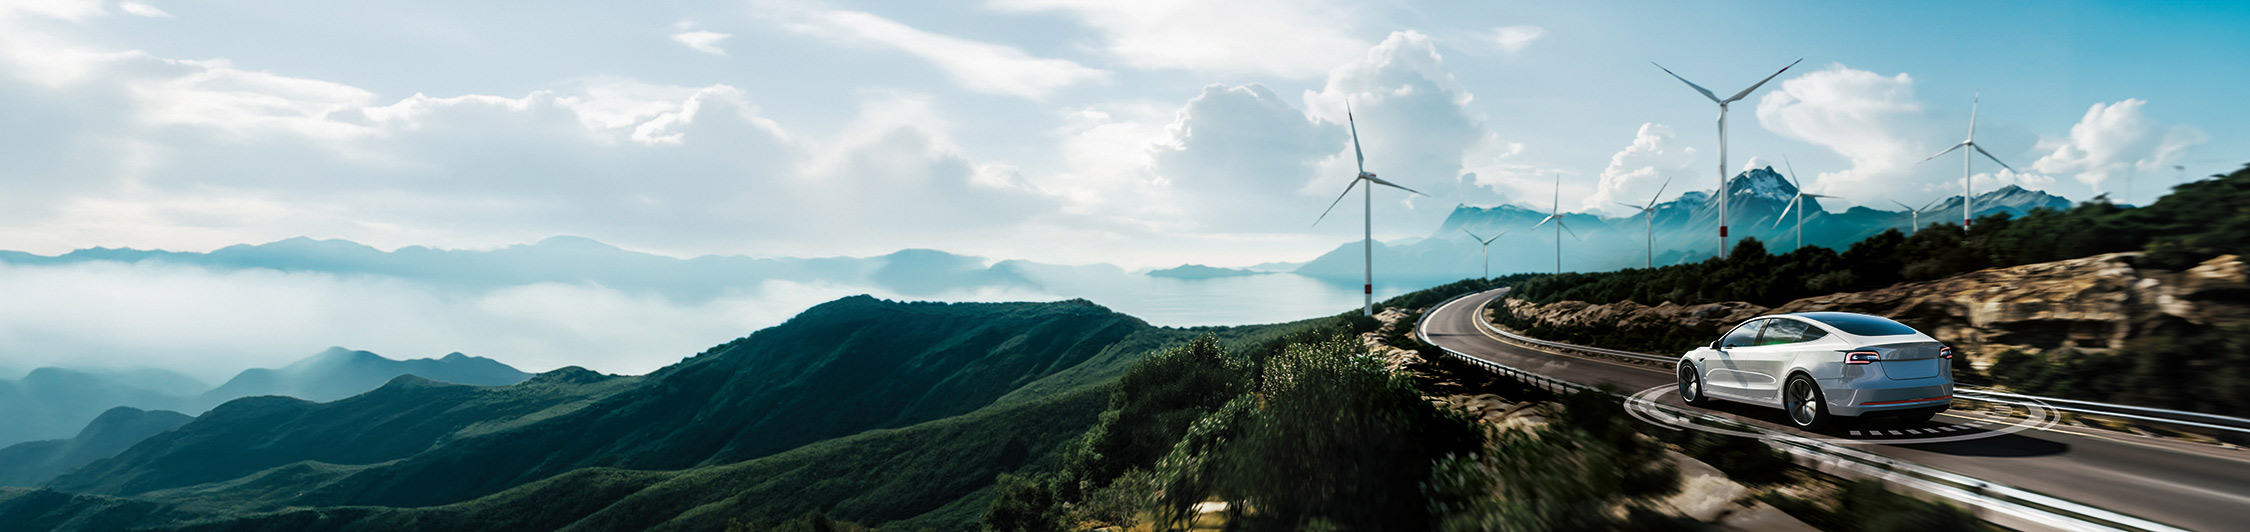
column 2093, row 303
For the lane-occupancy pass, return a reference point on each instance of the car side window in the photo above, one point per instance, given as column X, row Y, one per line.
column 1743, row 336
column 1812, row 333
column 1783, row 331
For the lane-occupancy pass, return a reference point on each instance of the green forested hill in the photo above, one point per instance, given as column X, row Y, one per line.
column 871, row 410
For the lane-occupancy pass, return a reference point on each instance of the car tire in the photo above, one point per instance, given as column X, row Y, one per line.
column 1690, row 383
column 1805, row 404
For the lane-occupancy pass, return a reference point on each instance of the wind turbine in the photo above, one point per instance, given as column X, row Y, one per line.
column 1723, row 138
column 1966, row 158
column 1650, row 211
column 1556, row 216
column 1487, row 243
column 1368, row 195
column 1916, row 214
column 1796, row 202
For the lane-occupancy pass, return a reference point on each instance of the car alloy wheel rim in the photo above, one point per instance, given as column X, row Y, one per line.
column 1802, row 407
column 1689, row 385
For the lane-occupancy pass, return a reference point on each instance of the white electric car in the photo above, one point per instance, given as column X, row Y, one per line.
column 1818, row 365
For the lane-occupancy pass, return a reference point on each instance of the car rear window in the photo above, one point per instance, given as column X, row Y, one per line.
column 1862, row 324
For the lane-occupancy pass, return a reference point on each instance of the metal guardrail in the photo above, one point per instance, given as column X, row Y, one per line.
column 2139, row 413
column 2023, row 504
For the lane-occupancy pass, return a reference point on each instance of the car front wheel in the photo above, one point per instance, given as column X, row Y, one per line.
column 1807, row 410
column 1691, row 386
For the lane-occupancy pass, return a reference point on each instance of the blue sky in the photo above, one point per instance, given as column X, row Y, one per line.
column 1138, row 133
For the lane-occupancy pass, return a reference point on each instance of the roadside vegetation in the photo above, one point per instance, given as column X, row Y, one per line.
column 2197, row 221
column 2200, row 368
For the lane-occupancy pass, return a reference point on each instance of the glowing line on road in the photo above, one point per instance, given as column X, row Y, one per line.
column 1642, row 405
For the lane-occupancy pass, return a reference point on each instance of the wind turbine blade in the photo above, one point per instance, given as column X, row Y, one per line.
column 1909, row 208
column 1472, row 235
column 1698, row 88
column 1947, row 150
column 1932, row 203
column 1793, row 181
column 1822, row 196
column 1762, row 82
column 1785, row 210
column 1348, row 118
column 1630, row 206
column 1988, row 155
column 1543, row 221
column 1332, row 204
column 1659, row 194
column 1379, row 181
column 1973, row 100
column 1566, row 227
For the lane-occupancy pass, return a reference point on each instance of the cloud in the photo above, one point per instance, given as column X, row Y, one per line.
column 1239, row 159
column 1414, row 122
column 136, row 149
column 1637, row 171
column 1282, row 38
column 705, row 41
column 211, row 324
column 1873, row 120
column 1513, row 39
column 2113, row 141
column 143, row 10
column 974, row 65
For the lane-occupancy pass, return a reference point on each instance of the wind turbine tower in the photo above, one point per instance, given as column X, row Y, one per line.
column 1487, row 244
column 1650, row 212
column 1367, row 195
column 1555, row 215
column 1796, row 202
column 1915, row 214
column 1723, row 138
column 1966, row 157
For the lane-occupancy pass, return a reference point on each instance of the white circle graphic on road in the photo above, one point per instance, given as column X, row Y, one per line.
column 2036, row 415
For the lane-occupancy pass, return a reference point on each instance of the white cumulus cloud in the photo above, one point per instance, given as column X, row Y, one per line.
column 1514, row 38
column 143, row 10
column 705, row 41
column 1635, row 173
column 975, row 65
column 1286, row 38
column 2113, row 141
column 1873, row 120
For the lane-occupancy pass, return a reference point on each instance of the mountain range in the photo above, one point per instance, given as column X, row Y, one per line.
column 55, row 403
column 28, row 464
column 869, row 410
column 1683, row 230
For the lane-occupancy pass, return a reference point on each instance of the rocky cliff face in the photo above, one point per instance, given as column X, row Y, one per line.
column 2093, row 303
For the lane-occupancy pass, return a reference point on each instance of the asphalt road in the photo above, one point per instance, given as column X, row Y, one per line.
column 2187, row 485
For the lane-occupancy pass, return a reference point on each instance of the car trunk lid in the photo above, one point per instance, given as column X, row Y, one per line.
column 1911, row 360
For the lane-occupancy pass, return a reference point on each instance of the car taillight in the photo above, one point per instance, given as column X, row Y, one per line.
column 1862, row 357
column 1945, row 352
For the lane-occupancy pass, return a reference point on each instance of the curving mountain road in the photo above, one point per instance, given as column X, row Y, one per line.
column 2193, row 486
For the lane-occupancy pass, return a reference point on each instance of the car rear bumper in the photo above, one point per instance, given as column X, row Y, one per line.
column 1865, row 398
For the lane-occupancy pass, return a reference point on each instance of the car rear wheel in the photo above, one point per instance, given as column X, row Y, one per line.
column 1802, row 398
column 1691, row 386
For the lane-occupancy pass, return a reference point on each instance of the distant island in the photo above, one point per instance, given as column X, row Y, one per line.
column 1198, row 271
